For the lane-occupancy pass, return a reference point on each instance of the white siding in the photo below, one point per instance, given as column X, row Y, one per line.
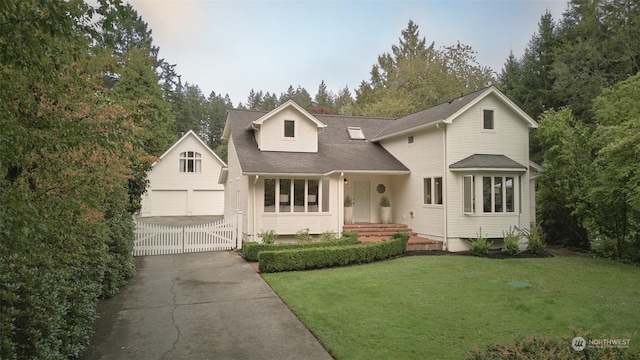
column 425, row 159
column 466, row 137
column 165, row 178
column 271, row 134
column 237, row 190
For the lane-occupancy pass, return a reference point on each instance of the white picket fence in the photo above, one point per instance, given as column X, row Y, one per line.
column 154, row 239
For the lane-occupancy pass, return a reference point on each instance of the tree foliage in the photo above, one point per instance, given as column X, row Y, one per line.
column 415, row 76
column 78, row 123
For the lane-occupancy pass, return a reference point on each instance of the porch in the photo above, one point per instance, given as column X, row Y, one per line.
column 377, row 232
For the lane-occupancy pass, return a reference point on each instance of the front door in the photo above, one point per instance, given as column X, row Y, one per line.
column 361, row 202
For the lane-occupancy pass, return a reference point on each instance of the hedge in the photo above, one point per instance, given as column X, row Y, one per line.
column 321, row 257
column 250, row 250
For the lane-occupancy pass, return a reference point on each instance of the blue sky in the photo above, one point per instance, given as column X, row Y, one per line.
column 231, row 46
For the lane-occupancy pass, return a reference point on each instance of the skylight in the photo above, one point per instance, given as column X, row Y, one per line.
column 355, row 133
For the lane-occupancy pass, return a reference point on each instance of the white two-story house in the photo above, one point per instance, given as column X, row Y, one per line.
column 448, row 171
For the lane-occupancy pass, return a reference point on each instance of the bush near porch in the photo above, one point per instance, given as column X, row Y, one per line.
column 322, row 257
column 250, row 250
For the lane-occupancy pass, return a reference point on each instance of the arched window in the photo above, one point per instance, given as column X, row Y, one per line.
column 190, row 162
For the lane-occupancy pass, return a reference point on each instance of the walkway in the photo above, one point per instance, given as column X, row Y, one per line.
column 199, row 306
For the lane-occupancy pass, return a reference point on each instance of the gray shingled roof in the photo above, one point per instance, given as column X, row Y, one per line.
column 486, row 161
column 428, row 116
column 336, row 152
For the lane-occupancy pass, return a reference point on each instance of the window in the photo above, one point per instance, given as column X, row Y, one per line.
column 468, row 195
column 432, row 191
column 269, row 195
column 299, row 195
column 190, row 162
column 498, row 194
column 355, row 133
column 285, row 195
column 296, row 195
column 289, row 128
column 410, row 139
column 487, row 120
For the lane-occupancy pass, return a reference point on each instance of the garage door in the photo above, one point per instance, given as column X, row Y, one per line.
column 208, row 202
column 169, row 203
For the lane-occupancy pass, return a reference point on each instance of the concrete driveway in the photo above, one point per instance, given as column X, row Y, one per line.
column 199, row 306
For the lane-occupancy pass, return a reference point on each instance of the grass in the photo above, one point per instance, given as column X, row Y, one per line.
column 438, row 307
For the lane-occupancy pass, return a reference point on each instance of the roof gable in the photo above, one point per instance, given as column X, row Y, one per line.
column 336, row 151
column 446, row 113
column 288, row 104
column 190, row 133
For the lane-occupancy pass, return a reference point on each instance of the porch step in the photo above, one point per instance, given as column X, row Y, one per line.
column 378, row 232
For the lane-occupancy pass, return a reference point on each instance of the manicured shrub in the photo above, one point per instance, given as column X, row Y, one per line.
column 401, row 235
column 250, row 250
column 511, row 242
column 480, row 245
column 321, row 257
column 558, row 348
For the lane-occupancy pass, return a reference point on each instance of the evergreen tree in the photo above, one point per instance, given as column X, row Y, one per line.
column 344, row 101
column 324, row 97
column 415, row 77
column 599, row 46
column 255, row 100
column 269, row 102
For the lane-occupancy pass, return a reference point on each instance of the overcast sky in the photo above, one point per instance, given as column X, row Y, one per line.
column 230, row 46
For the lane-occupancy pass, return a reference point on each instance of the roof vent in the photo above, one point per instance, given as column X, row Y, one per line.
column 355, row 133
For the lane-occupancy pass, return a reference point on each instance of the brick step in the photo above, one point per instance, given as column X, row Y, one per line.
column 423, row 247
column 374, row 233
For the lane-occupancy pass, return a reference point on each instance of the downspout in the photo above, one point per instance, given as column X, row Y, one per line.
column 254, row 210
column 445, row 188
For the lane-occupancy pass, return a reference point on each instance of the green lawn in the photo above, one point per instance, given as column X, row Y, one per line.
column 438, row 307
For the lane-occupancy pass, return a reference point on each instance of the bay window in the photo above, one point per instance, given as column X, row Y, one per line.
column 498, row 194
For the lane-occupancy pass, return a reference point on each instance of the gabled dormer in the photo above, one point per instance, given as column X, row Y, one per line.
column 289, row 128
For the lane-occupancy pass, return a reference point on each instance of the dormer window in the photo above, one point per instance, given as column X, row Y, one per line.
column 355, row 133
column 487, row 120
column 190, row 162
column 289, row 128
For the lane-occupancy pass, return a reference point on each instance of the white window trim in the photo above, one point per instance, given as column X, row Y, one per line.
column 494, row 130
column 319, row 202
column 284, row 126
column 185, row 158
column 516, row 201
column 433, row 193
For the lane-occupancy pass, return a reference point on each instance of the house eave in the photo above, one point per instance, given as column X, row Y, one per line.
column 372, row 172
column 481, row 169
column 408, row 131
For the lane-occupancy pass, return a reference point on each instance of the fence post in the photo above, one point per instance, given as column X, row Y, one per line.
column 238, row 230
